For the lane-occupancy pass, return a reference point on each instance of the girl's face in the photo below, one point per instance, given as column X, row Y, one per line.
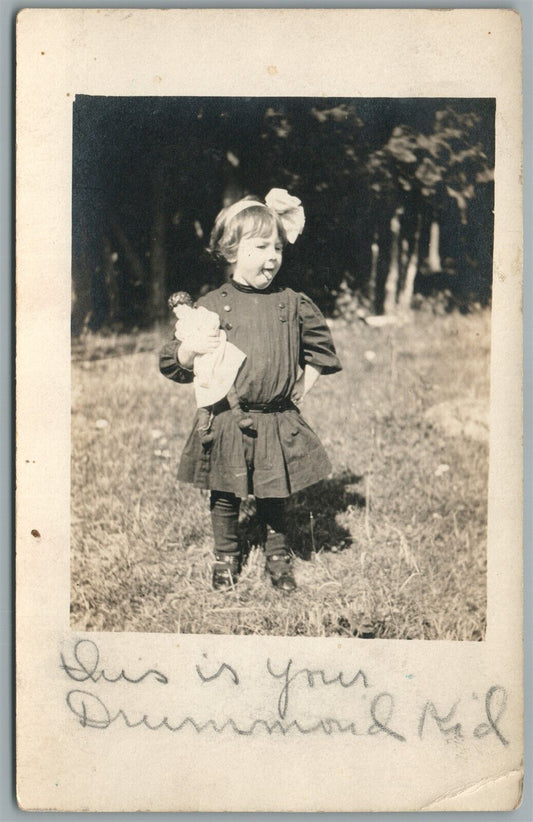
column 258, row 260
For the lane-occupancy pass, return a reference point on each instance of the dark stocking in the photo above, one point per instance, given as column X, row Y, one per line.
column 225, row 519
column 272, row 511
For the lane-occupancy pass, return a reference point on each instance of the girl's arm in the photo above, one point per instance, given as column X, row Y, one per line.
column 170, row 364
column 303, row 385
column 310, row 376
column 186, row 357
column 176, row 360
column 316, row 344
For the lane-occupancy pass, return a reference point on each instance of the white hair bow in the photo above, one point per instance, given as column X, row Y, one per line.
column 290, row 211
column 288, row 208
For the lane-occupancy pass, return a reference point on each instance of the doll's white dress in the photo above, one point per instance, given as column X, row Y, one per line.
column 215, row 372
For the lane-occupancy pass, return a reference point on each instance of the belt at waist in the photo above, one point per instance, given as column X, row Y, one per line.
column 258, row 407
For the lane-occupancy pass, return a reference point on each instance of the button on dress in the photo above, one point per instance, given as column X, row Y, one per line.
column 279, row 330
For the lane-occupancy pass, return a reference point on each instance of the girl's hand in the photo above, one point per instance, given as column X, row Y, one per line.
column 298, row 391
column 304, row 383
column 200, row 342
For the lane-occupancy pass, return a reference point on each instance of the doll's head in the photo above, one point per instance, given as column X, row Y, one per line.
column 180, row 302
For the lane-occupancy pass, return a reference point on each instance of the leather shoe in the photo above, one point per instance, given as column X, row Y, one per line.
column 226, row 570
column 279, row 568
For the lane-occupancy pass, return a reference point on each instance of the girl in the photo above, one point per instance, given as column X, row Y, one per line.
column 287, row 345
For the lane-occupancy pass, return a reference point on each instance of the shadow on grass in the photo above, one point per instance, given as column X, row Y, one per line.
column 312, row 524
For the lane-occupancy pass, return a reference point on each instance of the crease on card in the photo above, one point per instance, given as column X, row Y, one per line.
column 505, row 781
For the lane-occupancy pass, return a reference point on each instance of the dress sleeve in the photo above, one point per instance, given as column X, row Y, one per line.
column 317, row 346
column 170, row 366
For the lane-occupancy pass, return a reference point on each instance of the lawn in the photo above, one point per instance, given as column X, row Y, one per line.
column 397, row 548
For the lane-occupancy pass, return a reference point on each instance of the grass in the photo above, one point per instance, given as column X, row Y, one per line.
column 399, row 528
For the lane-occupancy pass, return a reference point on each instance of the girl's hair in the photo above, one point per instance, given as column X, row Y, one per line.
column 255, row 221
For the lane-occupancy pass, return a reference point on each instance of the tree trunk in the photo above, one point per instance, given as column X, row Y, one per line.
column 382, row 265
column 404, row 262
column 434, row 242
column 130, row 255
column 81, row 300
column 406, row 295
column 110, row 275
column 158, row 263
column 372, row 279
column 394, row 264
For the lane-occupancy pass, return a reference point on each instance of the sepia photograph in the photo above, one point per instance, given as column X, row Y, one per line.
column 281, row 316
column 269, row 408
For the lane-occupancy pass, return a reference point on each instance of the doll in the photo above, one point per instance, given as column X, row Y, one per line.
column 214, row 369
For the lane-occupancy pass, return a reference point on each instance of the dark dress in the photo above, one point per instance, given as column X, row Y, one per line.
column 278, row 329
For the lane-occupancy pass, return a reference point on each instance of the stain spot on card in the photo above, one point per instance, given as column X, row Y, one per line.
column 35, row 533
column 272, row 70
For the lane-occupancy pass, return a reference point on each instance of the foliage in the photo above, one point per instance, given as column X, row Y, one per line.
column 150, row 174
column 419, row 178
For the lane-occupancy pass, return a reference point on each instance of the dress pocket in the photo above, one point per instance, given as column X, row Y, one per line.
column 296, row 436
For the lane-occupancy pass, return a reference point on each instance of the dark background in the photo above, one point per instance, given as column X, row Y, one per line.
column 151, row 173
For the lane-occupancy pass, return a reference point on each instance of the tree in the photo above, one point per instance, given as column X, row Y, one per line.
column 414, row 179
column 394, row 191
